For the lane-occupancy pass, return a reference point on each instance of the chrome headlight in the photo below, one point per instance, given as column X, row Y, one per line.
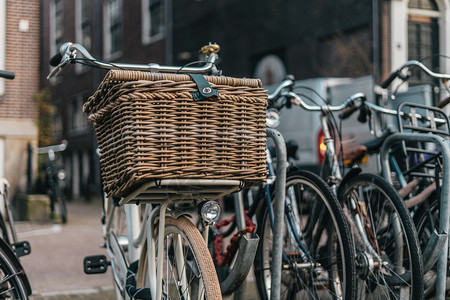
column 272, row 118
column 211, row 212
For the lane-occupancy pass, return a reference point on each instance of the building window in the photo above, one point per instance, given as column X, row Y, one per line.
column 79, row 120
column 153, row 20
column 56, row 124
column 56, row 25
column 423, row 37
column 83, row 28
column 113, row 29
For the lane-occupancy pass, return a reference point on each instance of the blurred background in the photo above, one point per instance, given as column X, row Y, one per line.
column 356, row 41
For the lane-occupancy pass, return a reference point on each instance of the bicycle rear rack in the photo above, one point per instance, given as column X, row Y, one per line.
column 417, row 118
column 182, row 190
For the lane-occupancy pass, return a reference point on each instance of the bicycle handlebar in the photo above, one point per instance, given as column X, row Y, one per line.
column 285, row 88
column 287, row 83
column 7, row 74
column 349, row 102
column 67, row 53
column 416, row 63
column 53, row 148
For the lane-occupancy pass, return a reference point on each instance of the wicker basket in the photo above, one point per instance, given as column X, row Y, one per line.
column 149, row 128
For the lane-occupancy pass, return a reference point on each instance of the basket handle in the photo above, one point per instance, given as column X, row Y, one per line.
column 204, row 91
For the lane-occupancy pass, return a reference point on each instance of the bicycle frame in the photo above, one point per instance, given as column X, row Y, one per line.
column 331, row 168
column 148, row 193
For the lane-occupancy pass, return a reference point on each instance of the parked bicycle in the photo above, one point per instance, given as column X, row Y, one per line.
column 418, row 167
column 414, row 158
column 13, row 280
column 162, row 254
column 317, row 258
column 55, row 181
column 388, row 256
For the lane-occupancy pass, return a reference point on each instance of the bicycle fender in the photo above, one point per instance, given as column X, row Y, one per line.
column 350, row 174
column 10, row 253
column 176, row 214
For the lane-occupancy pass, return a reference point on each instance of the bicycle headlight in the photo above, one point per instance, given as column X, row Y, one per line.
column 272, row 118
column 211, row 211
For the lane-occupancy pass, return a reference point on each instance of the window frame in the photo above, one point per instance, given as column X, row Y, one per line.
column 398, row 32
column 79, row 124
column 79, row 32
column 108, row 53
column 53, row 46
column 146, row 23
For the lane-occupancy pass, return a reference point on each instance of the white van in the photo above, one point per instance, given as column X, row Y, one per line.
column 303, row 127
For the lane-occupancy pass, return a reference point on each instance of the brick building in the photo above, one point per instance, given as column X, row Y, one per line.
column 259, row 38
column 19, row 53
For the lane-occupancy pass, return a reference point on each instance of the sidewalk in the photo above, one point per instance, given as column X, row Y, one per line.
column 55, row 265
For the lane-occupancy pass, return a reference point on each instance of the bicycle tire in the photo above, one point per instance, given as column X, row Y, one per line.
column 199, row 269
column 311, row 194
column 62, row 209
column 399, row 266
column 5, row 235
column 15, row 285
column 425, row 227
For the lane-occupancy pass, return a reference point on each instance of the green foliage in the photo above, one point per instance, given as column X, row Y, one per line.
column 44, row 120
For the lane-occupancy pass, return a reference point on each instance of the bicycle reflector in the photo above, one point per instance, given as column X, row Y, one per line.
column 321, row 147
column 211, row 211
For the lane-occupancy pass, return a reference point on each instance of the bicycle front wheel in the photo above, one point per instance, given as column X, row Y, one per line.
column 188, row 269
column 317, row 245
column 388, row 257
column 13, row 282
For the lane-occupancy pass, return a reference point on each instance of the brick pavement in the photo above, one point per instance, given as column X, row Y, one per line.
column 55, row 265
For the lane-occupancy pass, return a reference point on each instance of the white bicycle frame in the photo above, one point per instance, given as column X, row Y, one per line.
column 140, row 232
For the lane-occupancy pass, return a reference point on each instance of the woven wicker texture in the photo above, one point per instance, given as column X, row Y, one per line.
column 149, row 128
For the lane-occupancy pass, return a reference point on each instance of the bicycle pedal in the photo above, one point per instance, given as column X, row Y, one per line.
column 96, row 264
column 21, row 248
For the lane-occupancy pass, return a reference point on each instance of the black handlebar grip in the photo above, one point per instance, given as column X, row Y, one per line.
column 389, row 80
column 7, row 74
column 363, row 112
column 55, row 60
column 348, row 111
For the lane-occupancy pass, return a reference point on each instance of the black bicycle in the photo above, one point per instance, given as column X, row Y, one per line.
column 55, row 180
column 14, row 283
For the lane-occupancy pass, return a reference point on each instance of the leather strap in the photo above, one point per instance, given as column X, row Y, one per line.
column 205, row 91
